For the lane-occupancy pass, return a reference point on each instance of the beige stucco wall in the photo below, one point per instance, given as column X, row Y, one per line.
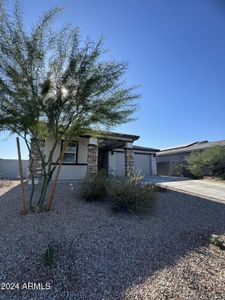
column 74, row 171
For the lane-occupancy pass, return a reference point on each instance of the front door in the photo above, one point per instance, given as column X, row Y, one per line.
column 103, row 160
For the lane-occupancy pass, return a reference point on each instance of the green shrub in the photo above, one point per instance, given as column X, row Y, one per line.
column 157, row 188
column 216, row 241
column 182, row 168
column 196, row 164
column 93, row 186
column 130, row 194
column 212, row 159
column 48, row 256
column 222, row 176
column 135, row 177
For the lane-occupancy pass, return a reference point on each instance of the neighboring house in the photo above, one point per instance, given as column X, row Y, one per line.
column 9, row 168
column 168, row 159
column 113, row 152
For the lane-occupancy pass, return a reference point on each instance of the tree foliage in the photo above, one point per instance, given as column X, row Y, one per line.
column 212, row 158
column 54, row 84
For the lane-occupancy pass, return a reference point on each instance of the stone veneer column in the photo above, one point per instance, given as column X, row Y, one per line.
column 37, row 168
column 129, row 158
column 92, row 156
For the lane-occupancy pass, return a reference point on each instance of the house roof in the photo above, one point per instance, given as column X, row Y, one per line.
column 145, row 149
column 113, row 140
column 114, row 135
column 199, row 145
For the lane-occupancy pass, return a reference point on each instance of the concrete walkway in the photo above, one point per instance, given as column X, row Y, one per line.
column 200, row 188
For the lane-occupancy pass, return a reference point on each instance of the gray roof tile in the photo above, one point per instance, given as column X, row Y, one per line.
column 190, row 147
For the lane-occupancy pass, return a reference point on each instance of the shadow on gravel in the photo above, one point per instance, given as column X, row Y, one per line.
column 100, row 254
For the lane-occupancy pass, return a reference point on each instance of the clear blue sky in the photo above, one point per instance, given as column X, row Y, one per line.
column 175, row 50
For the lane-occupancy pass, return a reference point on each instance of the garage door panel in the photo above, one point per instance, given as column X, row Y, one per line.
column 120, row 164
column 142, row 162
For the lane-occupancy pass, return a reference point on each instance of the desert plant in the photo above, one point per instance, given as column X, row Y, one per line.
column 222, row 176
column 130, row 194
column 212, row 158
column 216, row 241
column 93, row 186
column 48, row 256
column 135, row 176
column 181, row 168
column 55, row 84
column 157, row 188
column 196, row 164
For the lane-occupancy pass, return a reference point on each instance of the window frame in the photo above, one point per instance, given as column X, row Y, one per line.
column 75, row 154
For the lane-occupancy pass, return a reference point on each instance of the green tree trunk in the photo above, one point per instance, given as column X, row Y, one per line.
column 31, row 162
column 44, row 189
column 32, row 183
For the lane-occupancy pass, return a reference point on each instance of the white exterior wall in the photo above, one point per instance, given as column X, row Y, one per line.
column 116, row 163
column 143, row 160
column 70, row 171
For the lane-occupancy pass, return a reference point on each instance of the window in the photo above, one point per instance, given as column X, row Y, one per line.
column 70, row 154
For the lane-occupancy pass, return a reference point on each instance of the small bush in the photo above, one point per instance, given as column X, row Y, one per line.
column 93, row 187
column 157, row 188
column 222, row 176
column 216, row 241
column 182, row 169
column 48, row 256
column 212, row 159
column 130, row 194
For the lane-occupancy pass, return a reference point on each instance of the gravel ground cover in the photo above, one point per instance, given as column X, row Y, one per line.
column 104, row 255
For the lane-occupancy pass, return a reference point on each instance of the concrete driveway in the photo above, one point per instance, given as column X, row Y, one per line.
column 201, row 188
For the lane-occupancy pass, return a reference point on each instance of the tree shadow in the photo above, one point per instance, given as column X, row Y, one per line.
column 180, row 224
column 102, row 254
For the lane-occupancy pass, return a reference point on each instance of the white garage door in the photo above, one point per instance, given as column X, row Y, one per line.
column 142, row 162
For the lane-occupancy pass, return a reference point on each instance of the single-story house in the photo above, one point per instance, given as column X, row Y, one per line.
column 113, row 152
column 168, row 159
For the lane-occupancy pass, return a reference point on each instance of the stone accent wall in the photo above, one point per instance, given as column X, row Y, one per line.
column 92, row 159
column 129, row 160
column 37, row 168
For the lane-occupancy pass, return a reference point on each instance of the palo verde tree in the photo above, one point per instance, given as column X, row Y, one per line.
column 54, row 84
